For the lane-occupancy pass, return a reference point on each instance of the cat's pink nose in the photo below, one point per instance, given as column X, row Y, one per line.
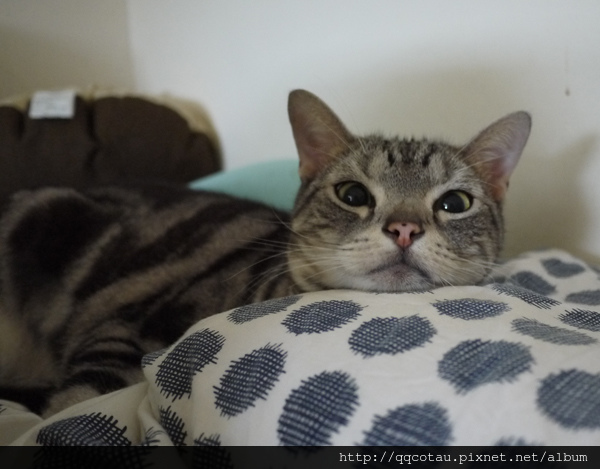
column 404, row 232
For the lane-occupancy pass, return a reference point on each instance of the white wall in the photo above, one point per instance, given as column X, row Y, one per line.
column 63, row 43
column 430, row 67
column 434, row 67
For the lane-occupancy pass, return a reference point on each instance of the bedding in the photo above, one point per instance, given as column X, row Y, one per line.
column 511, row 362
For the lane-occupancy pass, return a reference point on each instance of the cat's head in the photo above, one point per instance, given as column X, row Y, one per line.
column 387, row 214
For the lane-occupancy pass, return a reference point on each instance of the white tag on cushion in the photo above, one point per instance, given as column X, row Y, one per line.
column 52, row 105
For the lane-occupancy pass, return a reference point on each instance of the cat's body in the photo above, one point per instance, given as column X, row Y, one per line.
column 92, row 281
column 104, row 277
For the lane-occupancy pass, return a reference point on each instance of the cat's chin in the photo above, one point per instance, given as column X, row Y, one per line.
column 394, row 279
column 397, row 278
column 392, row 276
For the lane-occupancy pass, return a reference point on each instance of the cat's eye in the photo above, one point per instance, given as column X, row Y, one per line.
column 353, row 194
column 455, row 202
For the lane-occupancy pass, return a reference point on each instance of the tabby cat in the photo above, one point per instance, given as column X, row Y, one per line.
column 92, row 281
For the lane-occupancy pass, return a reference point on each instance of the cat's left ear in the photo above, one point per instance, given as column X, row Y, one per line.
column 495, row 152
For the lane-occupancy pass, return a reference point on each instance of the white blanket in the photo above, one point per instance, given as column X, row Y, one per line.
column 516, row 361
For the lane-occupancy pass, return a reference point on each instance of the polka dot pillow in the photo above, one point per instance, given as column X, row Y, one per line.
column 511, row 362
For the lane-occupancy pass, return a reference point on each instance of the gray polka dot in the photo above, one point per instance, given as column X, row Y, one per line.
column 214, row 440
column 323, row 316
column 94, row 429
column 257, row 310
column 586, row 297
column 473, row 363
column 582, row 319
column 173, row 424
column 391, row 335
column 551, row 334
column 468, row 308
column 533, row 282
column 248, row 379
column 190, row 356
column 571, row 398
column 515, row 441
column 560, row 269
column 316, row 410
column 411, row 425
column 526, row 295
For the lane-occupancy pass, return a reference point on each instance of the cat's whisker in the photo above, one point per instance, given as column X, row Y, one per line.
column 275, row 272
column 308, row 263
column 480, row 263
column 266, row 277
column 320, row 272
column 248, row 267
column 288, row 225
column 312, row 241
column 279, row 244
column 362, row 144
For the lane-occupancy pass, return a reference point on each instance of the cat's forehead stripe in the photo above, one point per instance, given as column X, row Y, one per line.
column 403, row 155
column 409, row 151
column 428, row 154
column 391, row 158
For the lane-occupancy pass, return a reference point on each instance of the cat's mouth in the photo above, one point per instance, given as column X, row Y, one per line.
column 399, row 274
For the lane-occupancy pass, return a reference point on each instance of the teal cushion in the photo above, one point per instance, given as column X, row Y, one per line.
column 274, row 183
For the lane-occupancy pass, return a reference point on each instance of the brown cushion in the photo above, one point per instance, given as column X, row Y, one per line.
column 110, row 139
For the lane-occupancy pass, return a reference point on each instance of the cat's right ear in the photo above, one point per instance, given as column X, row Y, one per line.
column 319, row 134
